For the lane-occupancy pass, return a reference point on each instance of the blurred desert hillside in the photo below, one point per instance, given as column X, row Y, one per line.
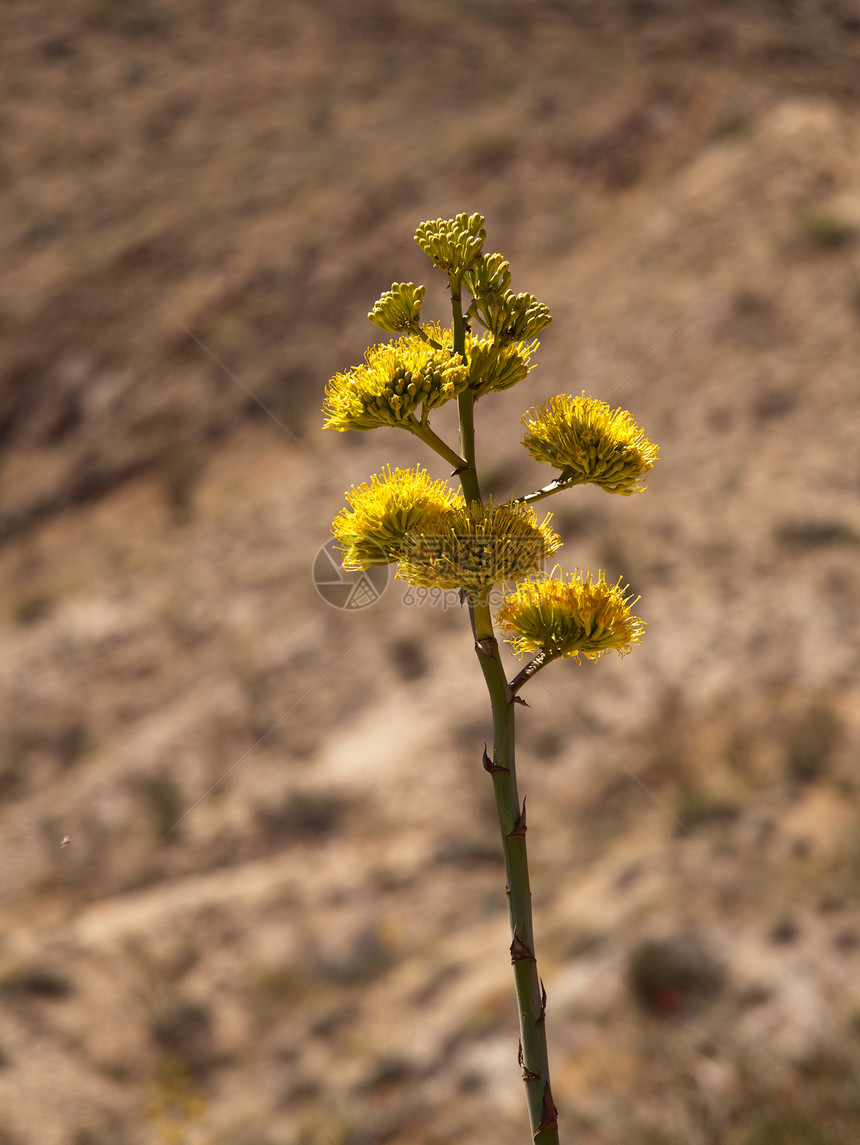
column 251, row 886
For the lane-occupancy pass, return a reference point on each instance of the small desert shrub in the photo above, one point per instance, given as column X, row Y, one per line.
column 672, row 975
column 811, row 741
column 826, row 232
column 40, row 982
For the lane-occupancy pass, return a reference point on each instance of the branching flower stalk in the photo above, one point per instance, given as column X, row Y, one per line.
column 447, row 538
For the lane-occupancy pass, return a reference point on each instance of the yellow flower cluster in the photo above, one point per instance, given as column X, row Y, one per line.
column 453, row 245
column 495, row 366
column 477, row 546
column 574, row 617
column 385, row 510
column 588, row 441
column 397, row 309
column 511, row 316
column 440, row 540
column 491, row 275
column 394, row 380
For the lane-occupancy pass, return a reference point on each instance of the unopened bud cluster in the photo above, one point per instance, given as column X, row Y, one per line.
column 497, row 366
column 453, row 245
column 511, row 317
column 397, row 310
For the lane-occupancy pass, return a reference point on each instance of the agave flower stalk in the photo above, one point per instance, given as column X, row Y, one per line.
column 533, row 1055
column 450, row 538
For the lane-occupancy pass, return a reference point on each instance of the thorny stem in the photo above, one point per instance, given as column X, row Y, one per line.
column 547, row 491
column 531, row 998
column 531, row 669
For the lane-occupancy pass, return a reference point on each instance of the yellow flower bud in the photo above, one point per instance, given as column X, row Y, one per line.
column 490, row 275
column 397, row 309
column 494, row 366
column 453, row 245
column 510, row 317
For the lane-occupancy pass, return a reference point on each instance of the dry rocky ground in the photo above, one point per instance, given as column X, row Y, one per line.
column 316, row 953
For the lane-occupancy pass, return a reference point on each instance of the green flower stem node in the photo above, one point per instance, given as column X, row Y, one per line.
column 426, row 434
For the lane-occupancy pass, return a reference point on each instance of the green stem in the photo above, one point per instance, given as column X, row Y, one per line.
column 531, row 1000
column 426, row 434
column 415, row 328
column 512, row 821
column 547, row 491
column 465, row 400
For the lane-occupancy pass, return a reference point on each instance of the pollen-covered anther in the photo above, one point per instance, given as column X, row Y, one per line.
column 573, row 617
column 590, row 442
